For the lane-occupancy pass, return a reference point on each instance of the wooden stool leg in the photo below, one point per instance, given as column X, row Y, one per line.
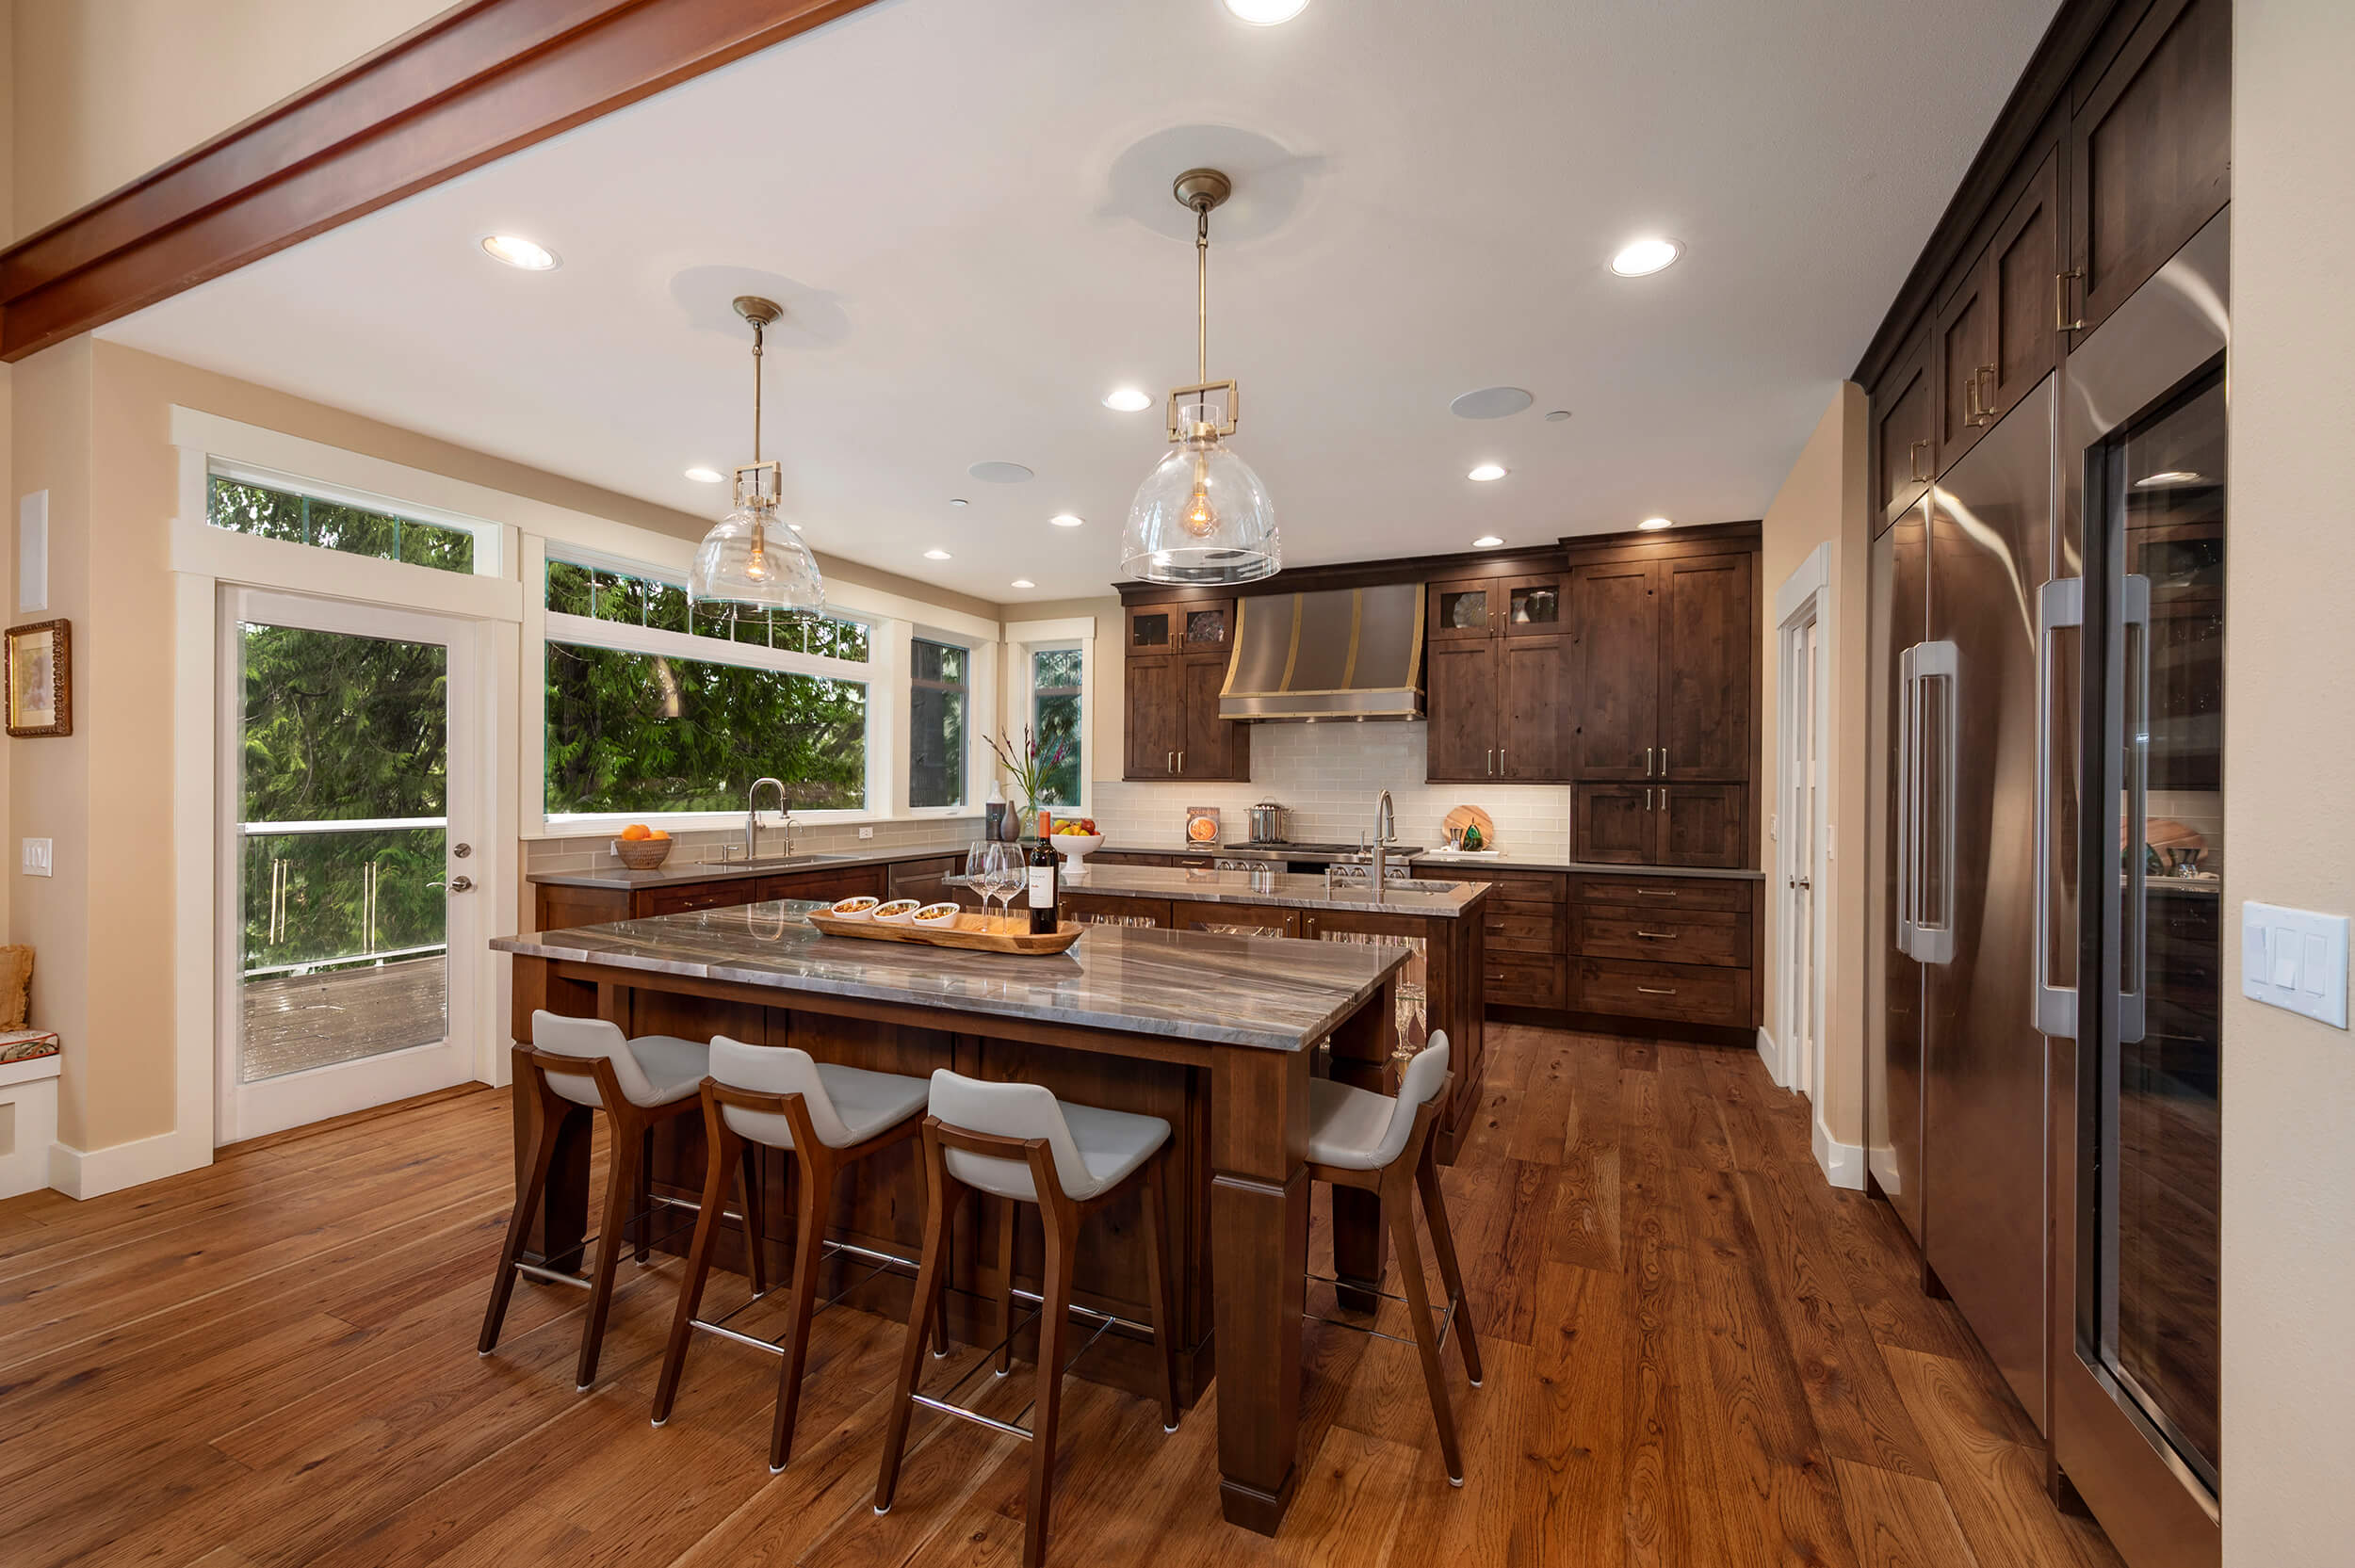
column 1400, row 1211
column 690, row 1290
column 642, row 1199
column 1007, row 1213
column 755, row 1228
column 1054, row 1322
column 519, row 1226
column 1157, row 1285
column 1443, row 1242
column 809, row 1229
column 920, row 1306
column 621, row 1182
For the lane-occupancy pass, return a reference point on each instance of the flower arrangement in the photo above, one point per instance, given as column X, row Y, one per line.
column 1029, row 770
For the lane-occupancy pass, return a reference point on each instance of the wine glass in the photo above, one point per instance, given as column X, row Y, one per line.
column 1008, row 872
column 977, row 873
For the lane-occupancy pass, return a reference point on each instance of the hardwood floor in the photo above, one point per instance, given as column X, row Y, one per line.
column 1697, row 1354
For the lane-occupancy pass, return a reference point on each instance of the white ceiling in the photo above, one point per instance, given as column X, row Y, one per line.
column 964, row 210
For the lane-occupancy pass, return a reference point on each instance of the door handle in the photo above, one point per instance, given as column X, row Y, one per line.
column 1647, row 752
column 462, row 885
column 1502, row 767
column 2060, row 302
column 1648, row 799
column 1908, row 814
column 2059, row 604
column 1492, row 762
column 1933, row 931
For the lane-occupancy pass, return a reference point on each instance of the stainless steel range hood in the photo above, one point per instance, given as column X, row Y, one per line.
column 1344, row 654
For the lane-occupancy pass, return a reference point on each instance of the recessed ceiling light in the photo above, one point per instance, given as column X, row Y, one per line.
column 1486, row 471
column 2169, row 478
column 959, row 501
column 704, row 475
column 1557, row 415
column 1655, row 523
column 1487, row 542
column 999, row 472
column 1066, row 519
column 935, row 555
column 1265, row 13
column 515, row 250
column 1128, row 399
column 1642, row 258
column 1491, row 402
column 1024, row 582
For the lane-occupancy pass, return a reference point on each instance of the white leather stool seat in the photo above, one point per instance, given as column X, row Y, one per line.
column 652, row 1069
column 846, row 1105
column 1093, row 1148
column 1356, row 1129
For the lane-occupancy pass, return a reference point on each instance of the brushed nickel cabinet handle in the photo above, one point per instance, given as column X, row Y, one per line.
column 1657, row 990
column 1492, row 762
column 1913, row 466
column 2060, row 302
column 1181, row 761
column 1663, row 766
column 1169, row 762
column 1648, row 893
column 1986, row 397
column 1657, row 936
column 1647, row 752
column 1502, row 767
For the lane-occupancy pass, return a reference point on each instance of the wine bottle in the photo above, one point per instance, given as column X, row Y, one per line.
column 1044, row 913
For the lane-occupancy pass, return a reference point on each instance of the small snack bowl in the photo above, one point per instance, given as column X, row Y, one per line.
column 860, row 908
column 900, row 911
column 937, row 916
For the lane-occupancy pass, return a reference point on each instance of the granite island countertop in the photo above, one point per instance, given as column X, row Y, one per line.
column 1200, row 986
column 1275, row 890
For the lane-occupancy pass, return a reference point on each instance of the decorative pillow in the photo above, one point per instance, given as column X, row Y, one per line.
column 16, row 982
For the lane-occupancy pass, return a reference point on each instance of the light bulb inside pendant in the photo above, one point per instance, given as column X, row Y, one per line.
column 1200, row 517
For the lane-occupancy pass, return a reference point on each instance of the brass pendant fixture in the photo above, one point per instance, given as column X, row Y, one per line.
column 750, row 557
column 1202, row 515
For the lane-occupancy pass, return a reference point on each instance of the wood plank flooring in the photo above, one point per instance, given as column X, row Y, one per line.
column 1697, row 1354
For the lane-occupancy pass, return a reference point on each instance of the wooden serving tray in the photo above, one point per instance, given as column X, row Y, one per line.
column 971, row 930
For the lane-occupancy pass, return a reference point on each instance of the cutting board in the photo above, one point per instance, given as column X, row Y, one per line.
column 1471, row 816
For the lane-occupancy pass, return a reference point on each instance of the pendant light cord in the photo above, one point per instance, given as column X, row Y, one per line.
column 1202, row 291
column 756, row 329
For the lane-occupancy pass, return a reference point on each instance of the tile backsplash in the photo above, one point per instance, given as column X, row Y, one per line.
column 1327, row 777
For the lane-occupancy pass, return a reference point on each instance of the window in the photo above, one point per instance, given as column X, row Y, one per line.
column 243, row 506
column 1055, row 711
column 654, row 705
column 937, row 707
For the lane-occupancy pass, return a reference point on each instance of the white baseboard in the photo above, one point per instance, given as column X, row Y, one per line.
column 1771, row 1054
column 1843, row 1163
column 94, row 1173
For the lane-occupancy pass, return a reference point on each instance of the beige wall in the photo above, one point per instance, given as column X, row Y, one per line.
column 1822, row 501
column 107, row 90
column 91, row 423
column 2289, row 779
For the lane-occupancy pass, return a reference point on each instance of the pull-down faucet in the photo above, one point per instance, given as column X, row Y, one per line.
column 1385, row 833
column 752, row 816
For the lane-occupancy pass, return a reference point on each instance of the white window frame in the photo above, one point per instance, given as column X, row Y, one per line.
column 592, row 632
column 1025, row 637
column 489, row 538
column 977, row 653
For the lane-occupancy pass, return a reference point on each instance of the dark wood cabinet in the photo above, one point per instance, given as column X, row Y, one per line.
column 1698, row 825
column 1706, row 646
column 1904, row 430
column 1667, row 949
column 1997, row 334
column 1615, row 634
column 1496, row 668
column 1613, row 824
column 1174, row 668
column 1235, row 919
column 2150, row 153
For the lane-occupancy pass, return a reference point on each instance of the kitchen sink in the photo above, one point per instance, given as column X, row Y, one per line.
column 779, row 862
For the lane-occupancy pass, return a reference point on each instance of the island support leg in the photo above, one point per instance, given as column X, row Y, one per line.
column 1361, row 1059
column 1258, row 1261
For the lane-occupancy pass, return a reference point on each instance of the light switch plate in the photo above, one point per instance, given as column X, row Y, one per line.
column 2295, row 958
column 37, row 857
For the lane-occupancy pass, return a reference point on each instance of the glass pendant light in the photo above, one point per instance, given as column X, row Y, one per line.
column 1202, row 515
column 750, row 557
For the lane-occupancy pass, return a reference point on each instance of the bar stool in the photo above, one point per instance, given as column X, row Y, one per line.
column 828, row 1117
column 1383, row 1145
column 1019, row 1143
column 639, row 1084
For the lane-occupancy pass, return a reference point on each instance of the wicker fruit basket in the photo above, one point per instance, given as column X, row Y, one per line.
column 642, row 855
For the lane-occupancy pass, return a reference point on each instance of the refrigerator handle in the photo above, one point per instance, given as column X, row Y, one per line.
column 2137, row 616
column 1906, row 814
column 1934, row 929
column 2059, row 602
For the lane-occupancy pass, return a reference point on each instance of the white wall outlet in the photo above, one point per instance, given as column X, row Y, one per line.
column 2295, row 958
column 37, row 857
column 866, row 833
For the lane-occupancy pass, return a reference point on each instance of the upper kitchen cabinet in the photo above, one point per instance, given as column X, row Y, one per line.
column 1496, row 680
column 1997, row 336
column 1661, row 680
column 1904, row 430
column 2150, row 153
column 1175, row 667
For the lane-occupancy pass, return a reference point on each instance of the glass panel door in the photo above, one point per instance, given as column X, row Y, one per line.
column 2164, row 484
column 342, row 858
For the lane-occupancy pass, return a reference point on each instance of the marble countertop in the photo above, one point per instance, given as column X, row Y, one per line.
column 1278, row 995
column 1435, row 863
column 1279, row 890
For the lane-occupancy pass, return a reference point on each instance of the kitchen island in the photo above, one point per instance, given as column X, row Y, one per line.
column 1216, row 1034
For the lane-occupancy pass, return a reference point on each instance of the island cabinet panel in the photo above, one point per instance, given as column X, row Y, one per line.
column 1440, row 988
column 1235, row 919
column 687, row 898
column 1614, row 630
column 558, row 908
column 849, row 881
column 1106, row 908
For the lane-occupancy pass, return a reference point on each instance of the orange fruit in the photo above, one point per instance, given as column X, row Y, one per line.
column 656, row 833
column 636, row 832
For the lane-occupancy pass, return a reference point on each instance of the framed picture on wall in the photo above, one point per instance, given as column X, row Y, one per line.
column 40, row 678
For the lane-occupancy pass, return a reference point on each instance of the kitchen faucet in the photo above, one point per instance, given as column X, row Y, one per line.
column 1385, row 833
column 752, row 816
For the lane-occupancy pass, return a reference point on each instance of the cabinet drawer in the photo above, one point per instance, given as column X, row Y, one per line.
column 1516, row 929
column 697, row 895
column 1522, row 982
column 1679, row 893
column 1662, row 936
column 1533, row 887
column 1685, row 993
column 826, row 887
